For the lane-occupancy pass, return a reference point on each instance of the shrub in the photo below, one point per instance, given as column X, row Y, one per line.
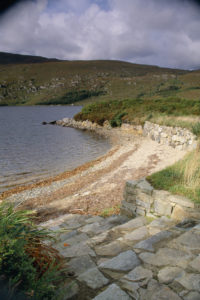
column 196, row 129
column 26, row 262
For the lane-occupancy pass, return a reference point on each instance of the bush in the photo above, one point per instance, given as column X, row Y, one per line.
column 117, row 120
column 196, row 129
column 26, row 262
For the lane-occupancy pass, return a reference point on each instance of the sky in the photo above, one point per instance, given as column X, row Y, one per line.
column 156, row 32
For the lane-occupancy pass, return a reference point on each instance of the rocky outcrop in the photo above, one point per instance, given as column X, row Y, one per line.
column 176, row 137
column 140, row 198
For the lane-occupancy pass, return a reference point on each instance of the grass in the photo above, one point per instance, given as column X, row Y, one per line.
column 32, row 83
column 137, row 111
column 27, row 265
column 110, row 211
column 182, row 178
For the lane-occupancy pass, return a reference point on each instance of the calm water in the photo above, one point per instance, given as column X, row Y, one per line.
column 30, row 151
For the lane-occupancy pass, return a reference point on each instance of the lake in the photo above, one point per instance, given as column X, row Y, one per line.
column 30, row 151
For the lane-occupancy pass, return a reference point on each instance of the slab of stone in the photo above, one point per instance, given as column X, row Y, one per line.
column 139, row 275
column 166, row 257
column 113, row 292
column 94, row 220
column 72, row 289
column 192, row 296
column 145, row 186
column 182, row 201
column 144, row 198
column 81, row 264
column 149, row 243
column 116, row 219
column 67, row 235
column 110, row 249
column 195, row 264
column 93, row 278
column 190, row 281
column 137, row 234
column 159, row 194
column 162, row 222
column 145, row 205
column 189, row 240
column 128, row 209
column 98, row 239
column 125, row 261
column 131, row 288
column 162, row 208
column 95, row 228
column 156, row 291
column 168, row 274
column 141, row 211
column 131, row 225
column 79, row 249
column 179, row 213
column 74, row 240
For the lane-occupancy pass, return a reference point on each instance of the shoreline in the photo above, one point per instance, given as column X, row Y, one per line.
column 96, row 187
column 108, row 134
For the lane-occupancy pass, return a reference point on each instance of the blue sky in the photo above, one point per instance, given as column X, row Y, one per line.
column 158, row 32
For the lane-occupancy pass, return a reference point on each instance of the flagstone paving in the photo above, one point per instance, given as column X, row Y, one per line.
column 116, row 258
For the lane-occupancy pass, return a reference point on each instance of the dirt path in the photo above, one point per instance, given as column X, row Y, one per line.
column 99, row 186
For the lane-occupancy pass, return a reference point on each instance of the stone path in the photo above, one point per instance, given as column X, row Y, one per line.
column 116, row 258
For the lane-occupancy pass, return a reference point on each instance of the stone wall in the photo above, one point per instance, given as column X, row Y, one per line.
column 141, row 199
column 176, row 137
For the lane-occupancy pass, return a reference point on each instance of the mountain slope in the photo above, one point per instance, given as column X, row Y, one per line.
column 64, row 82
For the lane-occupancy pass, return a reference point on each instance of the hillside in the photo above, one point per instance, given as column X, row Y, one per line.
column 25, row 82
column 10, row 58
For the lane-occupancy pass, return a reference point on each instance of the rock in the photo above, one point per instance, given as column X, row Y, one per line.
column 98, row 239
column 160, row 224
column 125, row 261
column 168, row 274
column 130, row 226
column 162, row 207
column 179, row 213
column 195, row 264
column 190, row 281
column 166, row 257
column 189, row 240
column 70, row 290
column 93, row 278
column 81, row 264
column 145, row 186
column 136, row 235
column 140, row 275
column 74, row 240
column 67, row 235
column 161, row 195
column 95, row 228
column 94, row 219
column 113, row 292
column 131, row 288
column 77, row 250
column 128, row 209
column 110, row 249
column 149, row 243
column 192, row 296
column 182, row 201
column 156, row 291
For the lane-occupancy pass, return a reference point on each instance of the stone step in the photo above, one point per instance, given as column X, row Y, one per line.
column 121, row 258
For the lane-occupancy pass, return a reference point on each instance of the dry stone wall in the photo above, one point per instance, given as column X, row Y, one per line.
column 141, row 199
column 176, row 137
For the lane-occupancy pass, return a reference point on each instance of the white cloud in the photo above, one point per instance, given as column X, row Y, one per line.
column 164, row 33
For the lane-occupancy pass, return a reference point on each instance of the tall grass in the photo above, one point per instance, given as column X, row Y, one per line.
column 182, row 178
